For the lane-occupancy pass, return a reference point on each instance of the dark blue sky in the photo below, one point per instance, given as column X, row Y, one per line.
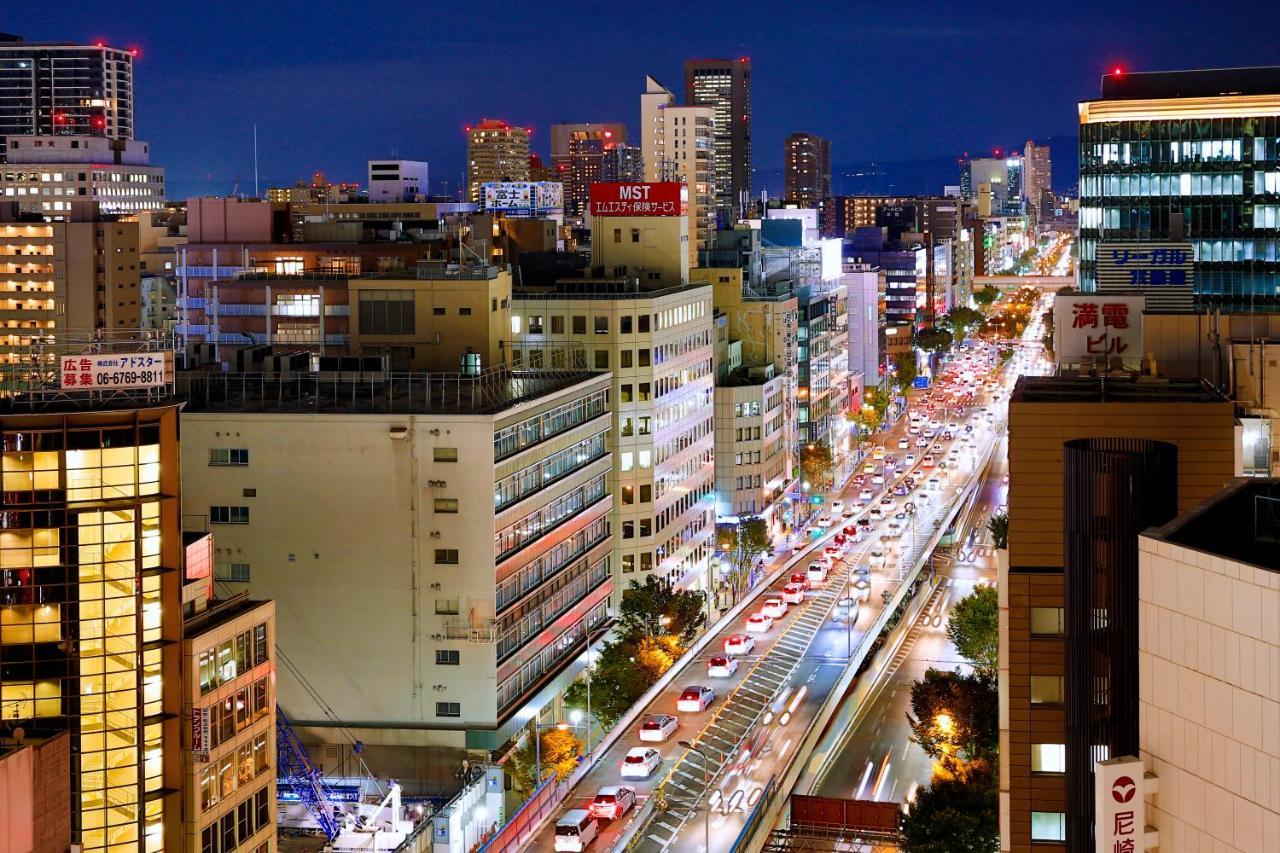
column 332, row 84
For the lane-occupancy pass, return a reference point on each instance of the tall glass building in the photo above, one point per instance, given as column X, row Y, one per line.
column 1194, row 156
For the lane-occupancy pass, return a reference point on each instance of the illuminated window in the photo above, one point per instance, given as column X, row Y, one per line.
column 1048, row 826
column 1046, row 689
column 1048, row 621
column 1048, row 758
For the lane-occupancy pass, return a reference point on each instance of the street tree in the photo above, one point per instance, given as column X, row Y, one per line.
column 998, row 524
column 955, row 717
column 742, row 543
column 816, row 463
column 986, row 296
column 935, row 340
column 656, row 608
column 906, row 369
column 866, row 419
column 559, row 754
column 960, row 320
column 954, row 815
column 974, row 628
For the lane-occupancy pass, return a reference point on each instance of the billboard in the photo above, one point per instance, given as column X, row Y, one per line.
column 1162, row 272
column 668, row 198
column 522, row 196
column 1119, row 806
column 1098, row 326
column 107, row 371
column 200, row 734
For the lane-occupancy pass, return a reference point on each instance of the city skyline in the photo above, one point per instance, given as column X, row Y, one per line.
column 201, row 95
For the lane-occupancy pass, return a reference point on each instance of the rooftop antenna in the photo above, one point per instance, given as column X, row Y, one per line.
column 255, row 161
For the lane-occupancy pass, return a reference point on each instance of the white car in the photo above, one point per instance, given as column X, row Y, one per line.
column 824, row 520
column 876, row 513
column 836, row 506
column 911, row 459
column 721, row 666
column 934, row 484
column 922, row 442
column 613, row 801
column 876, row 559
column 695, row 698
column 658, row 727
column 793, row 593
column 848, row 512
column 877, row 479
column 888, row 504
column 758, row 623
column 903, row 444
column 817, row 573
column 865, row 495
column 895, row 528
column 739, row 644
column 927, row 461
column 640, row 762
column 774, row 608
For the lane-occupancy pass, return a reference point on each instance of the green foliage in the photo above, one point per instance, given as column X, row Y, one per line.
column 742, row 543
column 645, row 605
column 960, row 320
column 935, row 340
column 958, row 815
column 816, row 462
column 974, row 628
column 998, row 524
column 880, row 400
column 1065, row 290
column 866, row 419
column 620, row 674
column 560, row 751
column 904, row 364
column 986, row 296
column 955, row 717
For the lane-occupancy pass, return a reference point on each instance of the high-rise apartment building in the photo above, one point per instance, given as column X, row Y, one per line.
column 1191, row 158
column 64, row 89
column 808, row 170
column 482, row 564
column 496, row 151
column 578, row 154
column 1037, row 181
column 622, row 163
column 66, row 178
column 679, row 144
column 90, row 605
column 725, row 86
column 1090, row 461
column 1001, row 177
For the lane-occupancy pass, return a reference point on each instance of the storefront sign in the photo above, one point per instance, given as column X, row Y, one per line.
column 105, row 371
column 1102, row 327
column 1119, row 806
column 640, row 199
column 1163, row 272
column 200, row 734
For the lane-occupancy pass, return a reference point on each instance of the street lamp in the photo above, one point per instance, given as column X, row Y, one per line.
column 539, row 728
column 706, row 792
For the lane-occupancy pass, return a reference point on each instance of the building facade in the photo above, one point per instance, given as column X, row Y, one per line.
column 680, row 144
column 81, row 178
column 399, row 180
column 1037, row 184
column 1165, row 157
column 496, row 151
column 807, row 164
column 724, row 85
column 61, row 89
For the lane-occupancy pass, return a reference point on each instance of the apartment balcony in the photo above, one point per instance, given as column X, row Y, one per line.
column 461, row 630
column 527, row 627
column 199, row 271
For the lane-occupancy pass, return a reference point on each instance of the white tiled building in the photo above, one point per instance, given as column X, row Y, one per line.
column 1209, row 665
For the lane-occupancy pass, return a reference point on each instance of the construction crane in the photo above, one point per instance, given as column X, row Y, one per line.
column 296, row 773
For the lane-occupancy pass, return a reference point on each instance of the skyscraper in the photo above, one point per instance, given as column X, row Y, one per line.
column 1003, row 177
column 808, row 170
column 64, row 89
column 577, row 159
column 1037, row 180
column 496, row 151
column 725, row 86
column 678, row 144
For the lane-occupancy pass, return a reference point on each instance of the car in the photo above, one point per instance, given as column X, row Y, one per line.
column 876, row 513
column 848, row 512
column 878, row 453
column 866, row 495
column 913, row 430
column 739, row 644
column 911, row 459
column 824, row 520
column 947, row 436
column 901, row 490
column 869, row 468
column 851, row 530
column 695, row 698
column 817, row 573
column 888, row 504
column 658, row 727
column 878, row 479
column 793, row 593
column 927, row 461
column 935, row 484
column 922, row 442
column 903, row 444
column 895, row 528
column 832, row 551
column 864, row 522
column 891, row 462
column 758, row 623
column 613, row 801
column 775, row 607
column 836, row 506
column 721, row 666
column 840, row 538
column 640, row 762
column 824, row 559
column 876, row 558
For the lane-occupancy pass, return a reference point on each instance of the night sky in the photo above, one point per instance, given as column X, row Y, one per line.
column 332, row 84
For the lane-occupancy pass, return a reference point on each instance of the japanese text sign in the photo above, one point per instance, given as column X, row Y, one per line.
column 1120, row 812
column 1098, row 326
column 639, row 199
column 104, row 371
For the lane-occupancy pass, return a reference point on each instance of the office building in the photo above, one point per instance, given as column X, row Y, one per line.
column 999, row 177
column 399, row 180
column 862, row 284
column 679, row 144
column 1037, row 183
column 81, row 178
column 657, row 345
column 463, row 606
column 496, row 151
column 65, row 280
column 1079, row 449
column 90, row 604
column 64, row 89
column 724, row 85
column 807, row 161
column 904, row 266
column 1209, row 693
column 1185, row 160
column 622, row 163
column 229, row 706
column 578, row 154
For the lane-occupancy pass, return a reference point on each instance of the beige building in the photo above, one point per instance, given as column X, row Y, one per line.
column 454, row 536
column 496, row 151
column 657, row 345
column 79, row 178
column 751, row 450
column 229, row 724
column 1209, row 669
column 678, row 144
column 650, row 249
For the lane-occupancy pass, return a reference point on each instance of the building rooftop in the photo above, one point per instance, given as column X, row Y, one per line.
column 1204, row 83
column 1242, row 523
column 1109, row 389
column 218, row 612
column 603, row 288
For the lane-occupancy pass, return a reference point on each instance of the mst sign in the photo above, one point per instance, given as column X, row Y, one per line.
column 667, row 198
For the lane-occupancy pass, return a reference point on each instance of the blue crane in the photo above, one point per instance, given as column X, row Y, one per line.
column 296, row 773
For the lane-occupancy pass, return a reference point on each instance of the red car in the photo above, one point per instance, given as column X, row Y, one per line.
column 851, row 530
column 800, row 578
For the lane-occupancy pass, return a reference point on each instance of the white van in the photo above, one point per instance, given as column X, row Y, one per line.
column 576, row 830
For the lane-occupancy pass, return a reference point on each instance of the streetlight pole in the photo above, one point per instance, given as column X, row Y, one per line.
column 706, row 792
